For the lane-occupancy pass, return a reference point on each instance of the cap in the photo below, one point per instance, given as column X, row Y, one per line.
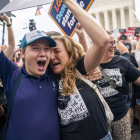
column 35, row 35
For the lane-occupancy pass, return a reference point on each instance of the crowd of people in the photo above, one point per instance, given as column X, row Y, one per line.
column 46, row 99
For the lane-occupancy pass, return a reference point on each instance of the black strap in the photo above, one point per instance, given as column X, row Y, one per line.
column 112, row 84
column 17, row 82
column 9, row 25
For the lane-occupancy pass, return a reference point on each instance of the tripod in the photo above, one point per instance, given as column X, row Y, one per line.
column 3, row 32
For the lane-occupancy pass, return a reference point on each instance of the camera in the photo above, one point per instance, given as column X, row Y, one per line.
column 122, row 30
column 32, row 25
column 123, row 37
column 137, row 30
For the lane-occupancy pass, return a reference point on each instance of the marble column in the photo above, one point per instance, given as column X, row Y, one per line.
column 98, row 17
column 131, row 17
column 122, row 14
column 106, row 18
column 114, row 19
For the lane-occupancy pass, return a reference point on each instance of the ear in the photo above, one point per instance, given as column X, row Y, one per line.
column 22, row 53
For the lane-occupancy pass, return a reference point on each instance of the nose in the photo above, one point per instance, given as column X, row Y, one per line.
column 114, row 45
column 42, row 52
column 52, row 55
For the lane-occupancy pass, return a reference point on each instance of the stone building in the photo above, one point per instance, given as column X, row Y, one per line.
column 115, row 14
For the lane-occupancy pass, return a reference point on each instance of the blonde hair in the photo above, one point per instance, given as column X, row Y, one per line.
column 75, row 51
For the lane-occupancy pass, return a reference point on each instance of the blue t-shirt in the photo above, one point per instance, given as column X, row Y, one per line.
column 34, row 114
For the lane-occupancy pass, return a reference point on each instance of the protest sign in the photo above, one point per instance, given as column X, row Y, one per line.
column 3, row 3
column 63, row 17
column 115, row 33
column 23, row 4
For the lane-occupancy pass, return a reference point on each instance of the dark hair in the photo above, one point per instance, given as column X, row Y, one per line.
column 23, row 60
column 53, row 33
column 117, row 52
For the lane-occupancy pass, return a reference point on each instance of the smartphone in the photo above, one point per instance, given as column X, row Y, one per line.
column 122, row 30
column 137, row 30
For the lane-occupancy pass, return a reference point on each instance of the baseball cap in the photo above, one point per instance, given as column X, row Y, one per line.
column 35, row 35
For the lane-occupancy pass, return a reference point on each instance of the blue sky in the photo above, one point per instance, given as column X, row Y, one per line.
column 43, row 22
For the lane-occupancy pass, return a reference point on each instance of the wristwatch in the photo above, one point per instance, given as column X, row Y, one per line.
column 9, row 25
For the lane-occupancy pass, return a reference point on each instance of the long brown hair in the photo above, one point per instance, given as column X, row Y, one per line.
column 75, row 51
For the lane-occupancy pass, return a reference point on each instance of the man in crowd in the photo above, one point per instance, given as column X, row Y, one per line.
column 34, row 114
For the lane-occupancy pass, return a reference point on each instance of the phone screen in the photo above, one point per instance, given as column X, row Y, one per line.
column 137, row 30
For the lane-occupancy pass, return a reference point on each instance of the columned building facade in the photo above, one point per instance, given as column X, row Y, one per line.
column 115, row 14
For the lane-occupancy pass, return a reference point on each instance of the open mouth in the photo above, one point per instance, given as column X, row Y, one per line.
column 41, row 63
column 111, row 50
column 55, row 64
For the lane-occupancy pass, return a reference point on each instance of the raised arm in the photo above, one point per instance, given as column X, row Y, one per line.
column 94, row 30
column 121, row 46
column 138, row 44
column 11, row 38
column 82, row 39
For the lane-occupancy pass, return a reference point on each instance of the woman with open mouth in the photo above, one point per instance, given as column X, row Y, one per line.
column 82, row 114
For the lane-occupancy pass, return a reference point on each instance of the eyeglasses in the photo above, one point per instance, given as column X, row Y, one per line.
column 112, row 43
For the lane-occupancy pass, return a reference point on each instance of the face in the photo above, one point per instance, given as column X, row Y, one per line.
column 111, row 48
column 59, row 58
column 37, row 57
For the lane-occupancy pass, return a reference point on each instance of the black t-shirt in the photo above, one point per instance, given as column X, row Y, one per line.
column 131, row 58
column 120, row 70
column 82, row 115
column 127, row 56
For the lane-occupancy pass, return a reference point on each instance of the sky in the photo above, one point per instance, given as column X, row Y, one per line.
column 43, row 22
column 137, row 4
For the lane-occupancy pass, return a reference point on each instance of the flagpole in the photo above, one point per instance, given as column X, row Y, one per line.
column 44, row 9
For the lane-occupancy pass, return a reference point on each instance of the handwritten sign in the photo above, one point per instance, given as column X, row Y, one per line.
column 63, row 17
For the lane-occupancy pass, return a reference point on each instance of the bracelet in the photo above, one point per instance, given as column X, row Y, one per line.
column 9, row 25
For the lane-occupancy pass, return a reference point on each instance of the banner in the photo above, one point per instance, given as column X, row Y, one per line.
column 23, row 4
column 130, row 33
column 63, row 17
column 3, row 3
column 115, row 33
